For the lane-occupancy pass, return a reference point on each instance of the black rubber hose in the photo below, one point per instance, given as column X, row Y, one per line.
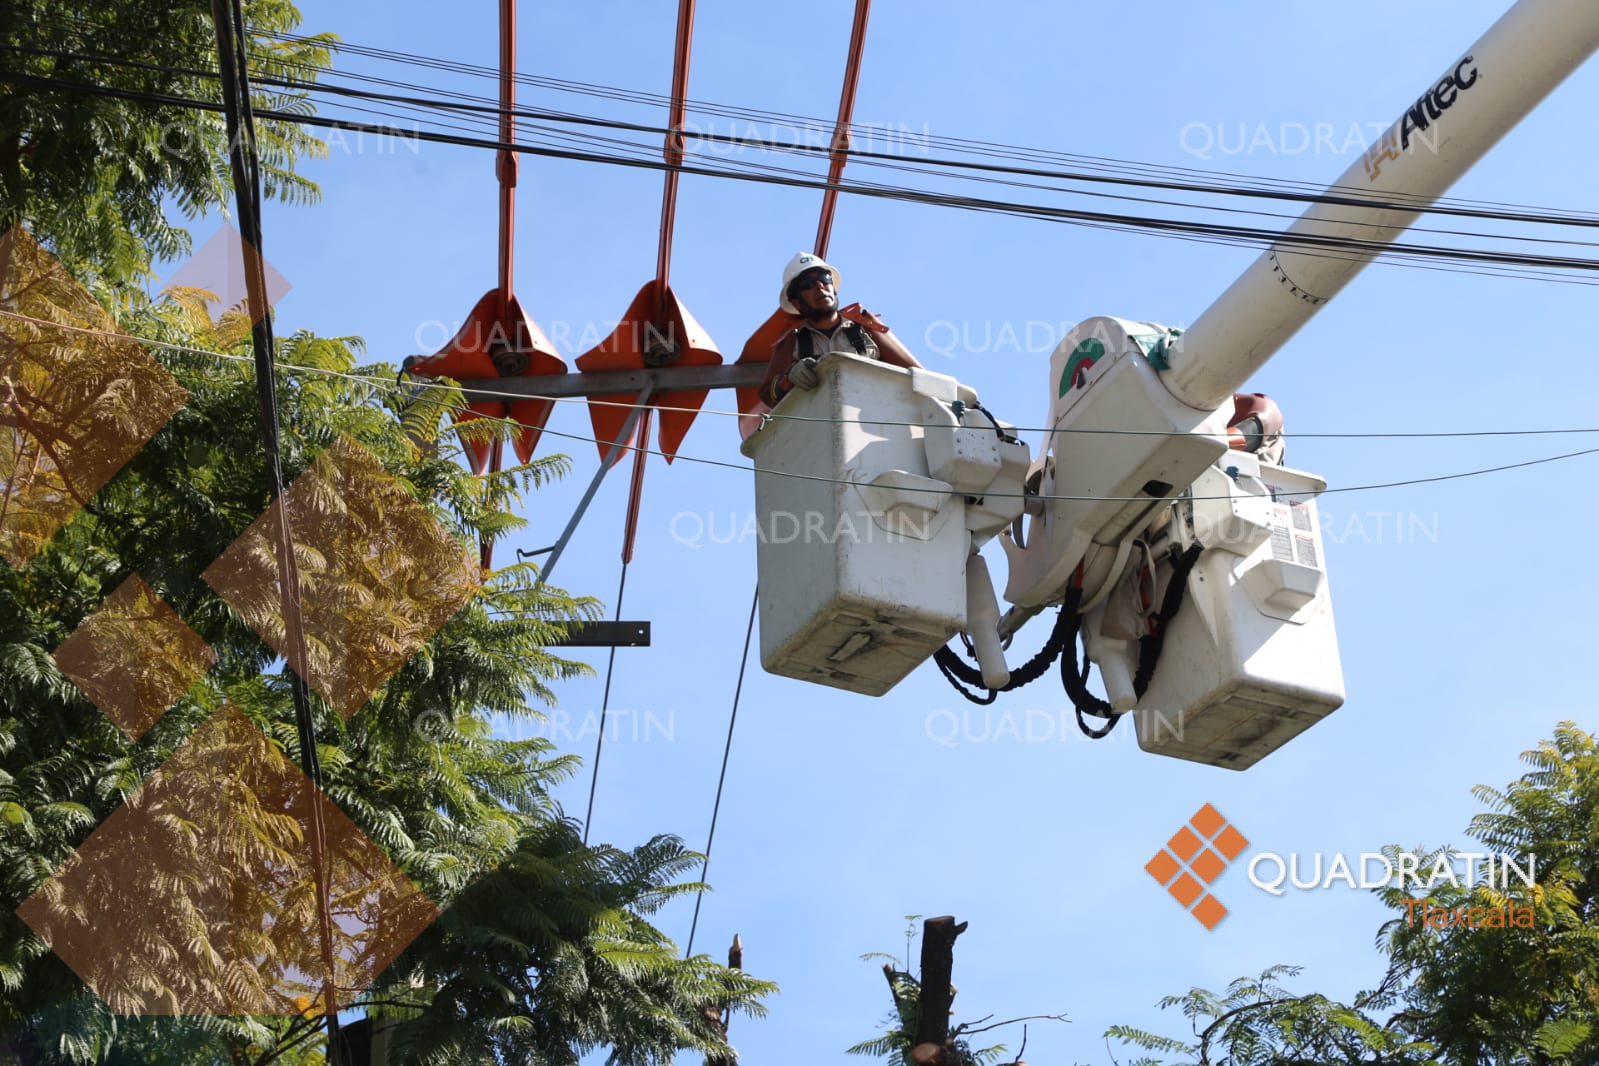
column 954, row 667
column 1149, row 647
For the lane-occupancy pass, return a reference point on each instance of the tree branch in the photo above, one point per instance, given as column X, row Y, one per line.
column 961, row 1029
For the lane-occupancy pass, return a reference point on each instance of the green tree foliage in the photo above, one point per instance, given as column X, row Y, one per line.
column 1477, row 992
column 1517, row 995
column 544, row 949
column 91, row 172
column 1258, row 1022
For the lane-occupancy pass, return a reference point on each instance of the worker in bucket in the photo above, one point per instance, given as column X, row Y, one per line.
column 810, row 290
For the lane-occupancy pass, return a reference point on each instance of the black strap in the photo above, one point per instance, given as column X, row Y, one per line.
column 1151, row 645
column 853, row 332
column 857, row 337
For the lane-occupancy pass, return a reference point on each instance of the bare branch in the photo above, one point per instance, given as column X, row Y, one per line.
column 1024, row 1018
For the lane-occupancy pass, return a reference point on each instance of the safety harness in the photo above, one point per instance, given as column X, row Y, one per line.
column 854, row 332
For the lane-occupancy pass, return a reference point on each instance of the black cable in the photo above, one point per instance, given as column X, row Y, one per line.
column 993, row 149
column 1074, row 674
column 471, row 104
column 957, row 671
column 1303, row 243
column 1151, row 644
column 605, row 706
column 1210, row 180
column 721, row 778
column 867, row 131
column 378, row 383
column 235, row 80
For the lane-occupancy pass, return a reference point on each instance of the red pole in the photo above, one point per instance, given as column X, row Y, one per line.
column 674, row 140
column 846, row 108
column 505, row 163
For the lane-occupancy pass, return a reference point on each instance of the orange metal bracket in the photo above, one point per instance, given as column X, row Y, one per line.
column 498, row 338
column 657, row 330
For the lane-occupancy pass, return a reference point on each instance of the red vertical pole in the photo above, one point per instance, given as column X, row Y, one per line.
column 505, row 166
column 846, row 108
column 505, row 163
column 673, row 152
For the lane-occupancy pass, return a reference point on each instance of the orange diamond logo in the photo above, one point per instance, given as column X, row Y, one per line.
column 133, row 657
column 378, row 575
column 1209, row 911
column 78, row 397
column 1186, row 865
column 199, row 895
column 217, row 270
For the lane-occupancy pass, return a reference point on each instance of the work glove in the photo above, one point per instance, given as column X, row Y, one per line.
column 804, row 375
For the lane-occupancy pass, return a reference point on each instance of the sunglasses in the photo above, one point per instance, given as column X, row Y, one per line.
column 810, row 281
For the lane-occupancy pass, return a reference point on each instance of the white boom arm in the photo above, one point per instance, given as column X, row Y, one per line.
column 1479, row 97
column 1167, row 546
column 1459, row 117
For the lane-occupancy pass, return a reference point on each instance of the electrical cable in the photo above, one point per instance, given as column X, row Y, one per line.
column 382, row 383
column 812, row 124
column 1112, row 166
column 228, row 17
column 1302, row 243
column 1391, row 253
column 818, row 125
column 605, row 707
column 721, row 778
column 493, row 114
column 957, row 671
column 1074, row 674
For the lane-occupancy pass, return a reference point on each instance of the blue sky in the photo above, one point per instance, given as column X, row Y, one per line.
column 1459, row 604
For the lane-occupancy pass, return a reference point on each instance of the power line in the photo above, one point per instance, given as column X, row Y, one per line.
column 655, row 100
column 1309, row 243
column 721, row 778
column 228, row 18
column 472, row 105
column 387, row 385
column 1132, row 170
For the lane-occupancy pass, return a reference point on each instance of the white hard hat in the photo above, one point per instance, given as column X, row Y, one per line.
column 802, row 262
